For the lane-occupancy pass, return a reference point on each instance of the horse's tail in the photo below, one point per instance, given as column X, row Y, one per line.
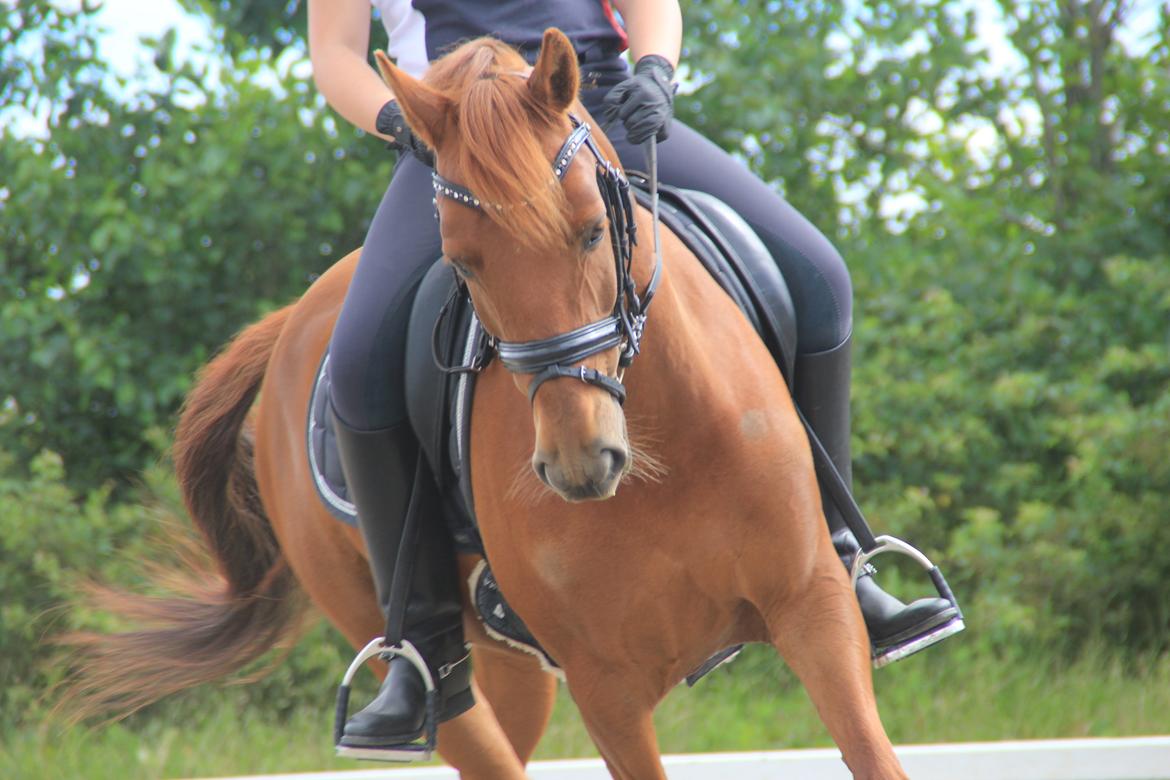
column 214, row 619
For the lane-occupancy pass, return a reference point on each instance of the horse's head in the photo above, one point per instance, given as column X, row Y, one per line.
column 532, row 243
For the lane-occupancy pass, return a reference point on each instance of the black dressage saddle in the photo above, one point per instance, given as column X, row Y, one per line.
column 440, row 401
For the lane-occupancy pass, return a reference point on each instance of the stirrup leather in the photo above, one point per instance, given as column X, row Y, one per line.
column 414, row 751
column 937, row 633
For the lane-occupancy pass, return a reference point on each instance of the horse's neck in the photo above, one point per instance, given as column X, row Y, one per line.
column 700, row 355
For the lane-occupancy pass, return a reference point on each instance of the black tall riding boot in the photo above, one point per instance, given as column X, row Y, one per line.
column 896, row 630
column 380, row 470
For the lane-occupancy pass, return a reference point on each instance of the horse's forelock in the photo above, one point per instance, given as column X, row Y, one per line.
column 472, row 61
column 499, row 156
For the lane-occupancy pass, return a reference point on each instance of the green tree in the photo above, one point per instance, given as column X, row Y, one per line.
column 1017, row 380
column 145, row 230
column 1006, row 229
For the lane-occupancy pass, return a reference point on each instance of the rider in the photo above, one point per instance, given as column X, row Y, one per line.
column 377, row 447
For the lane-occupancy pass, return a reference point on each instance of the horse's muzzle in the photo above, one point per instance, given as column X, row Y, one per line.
column 588, row 476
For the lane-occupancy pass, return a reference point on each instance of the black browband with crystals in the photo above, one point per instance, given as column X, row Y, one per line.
column 554, row 357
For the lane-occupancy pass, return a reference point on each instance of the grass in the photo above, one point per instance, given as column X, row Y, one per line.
column 954, row 693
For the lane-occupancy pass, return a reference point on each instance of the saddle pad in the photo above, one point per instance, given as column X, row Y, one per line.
column 324, row 462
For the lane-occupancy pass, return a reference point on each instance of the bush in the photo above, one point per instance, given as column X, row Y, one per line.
column 51, row 541
column 1017, row 430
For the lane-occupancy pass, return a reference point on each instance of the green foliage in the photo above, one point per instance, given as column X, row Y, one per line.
column 246, row 27
column 255, row 24
column 142, row 234
column 44, row 49
column 825, row 100
column 52, row 541
column 1007, row 236
column 1021, row 440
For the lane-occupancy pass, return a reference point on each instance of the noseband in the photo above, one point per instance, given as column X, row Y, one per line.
column 555, row 357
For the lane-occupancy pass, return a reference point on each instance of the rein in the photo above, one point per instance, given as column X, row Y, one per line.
column 554, row 357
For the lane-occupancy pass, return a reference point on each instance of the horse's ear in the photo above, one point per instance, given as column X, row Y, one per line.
column 426, row 110
column 555, row 78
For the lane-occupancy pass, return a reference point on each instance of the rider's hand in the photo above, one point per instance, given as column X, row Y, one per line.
column 645, row 101
column 391, row 122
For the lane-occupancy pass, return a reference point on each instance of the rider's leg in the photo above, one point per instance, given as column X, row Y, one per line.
column 380, row 468
column 822, row 295
column 896, row 629
column 379, row 455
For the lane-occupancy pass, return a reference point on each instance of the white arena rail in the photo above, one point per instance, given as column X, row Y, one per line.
column 1128, row 758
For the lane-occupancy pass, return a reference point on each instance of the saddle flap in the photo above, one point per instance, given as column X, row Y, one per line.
column 439, row 403
column 324, row 462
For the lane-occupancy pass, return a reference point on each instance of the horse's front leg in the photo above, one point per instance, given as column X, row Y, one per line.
column 820, row 633
column 618, row 712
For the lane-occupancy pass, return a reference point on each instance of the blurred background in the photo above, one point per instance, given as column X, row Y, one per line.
column 996, row 173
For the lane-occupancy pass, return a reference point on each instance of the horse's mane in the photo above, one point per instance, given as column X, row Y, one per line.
column 499, row 157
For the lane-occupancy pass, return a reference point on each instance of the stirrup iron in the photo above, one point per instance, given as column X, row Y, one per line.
column 414, row 751
column 885, row 544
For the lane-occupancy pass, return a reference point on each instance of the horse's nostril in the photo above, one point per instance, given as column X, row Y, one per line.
column 540, row 467
column 617, row 459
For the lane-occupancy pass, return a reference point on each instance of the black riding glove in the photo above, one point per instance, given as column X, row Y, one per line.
column 645, row 101
column 390, row 121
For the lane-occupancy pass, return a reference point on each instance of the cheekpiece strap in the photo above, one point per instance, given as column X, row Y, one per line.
column 571, row 146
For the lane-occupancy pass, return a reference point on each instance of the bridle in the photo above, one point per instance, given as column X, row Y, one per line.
column 555, row 356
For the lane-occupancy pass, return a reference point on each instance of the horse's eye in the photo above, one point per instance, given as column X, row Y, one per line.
column 595, row 237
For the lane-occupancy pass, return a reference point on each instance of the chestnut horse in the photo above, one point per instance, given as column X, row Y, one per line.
column 718, row 539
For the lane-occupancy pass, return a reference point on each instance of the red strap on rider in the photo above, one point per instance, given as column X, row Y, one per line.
column 621, row 31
